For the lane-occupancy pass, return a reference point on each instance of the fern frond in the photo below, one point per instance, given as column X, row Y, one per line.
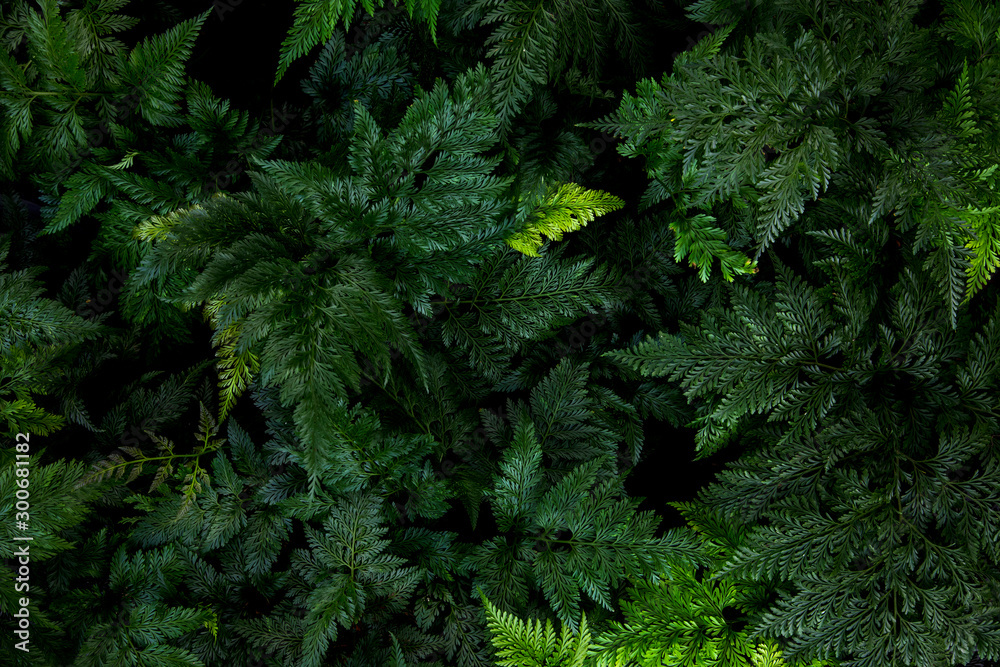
column 155, row 71
column 526, row 644
column 524, row 48
column 314, row 23
column 958, row 106
column 985, row 246
column 565, row 209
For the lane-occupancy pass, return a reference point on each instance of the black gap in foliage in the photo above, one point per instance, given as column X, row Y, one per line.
column 667, row 471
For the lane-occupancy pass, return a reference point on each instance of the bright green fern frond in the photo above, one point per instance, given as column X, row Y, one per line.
column 703, row 243
column 568, row 208
column 236, row 369
column 23, row 416
column 985, row 245
column 523, row 644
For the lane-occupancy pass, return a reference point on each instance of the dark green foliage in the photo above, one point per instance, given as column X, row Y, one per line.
column 685, row 617
column 447, row 350
column 872, row 410
column 536, row 41
column 40, row 340
column 792, row 116
column 571, row 532
column 377, row 78
column 78, row 76
column 316, row 22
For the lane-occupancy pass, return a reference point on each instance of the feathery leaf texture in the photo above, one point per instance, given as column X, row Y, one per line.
column 841, row 478
column 316, row 21
column 379, row 282
column 38, row 338
column 676, row 618
column 536, row 41
column 523, row 644
column 565, row 209
column 572, row 535
column 276, row 311
column 758, row 128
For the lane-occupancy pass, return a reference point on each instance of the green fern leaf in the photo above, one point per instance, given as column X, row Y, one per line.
column 526, row 644
column 958, row 106
column 565, row 209
column 154, row 73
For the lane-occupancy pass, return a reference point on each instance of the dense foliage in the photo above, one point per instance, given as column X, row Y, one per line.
column 372, row 380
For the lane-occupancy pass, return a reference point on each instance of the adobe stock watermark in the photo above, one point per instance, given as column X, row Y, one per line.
column 223, row 7
column 121, row 111
column 219, row 180
column 22, row 521
column 579, row 334
column 708, row 29
column 464, row 451
column 100, row 302
column 361, row 35
column 357, row 40
column 597, row 146
column 138, row 433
